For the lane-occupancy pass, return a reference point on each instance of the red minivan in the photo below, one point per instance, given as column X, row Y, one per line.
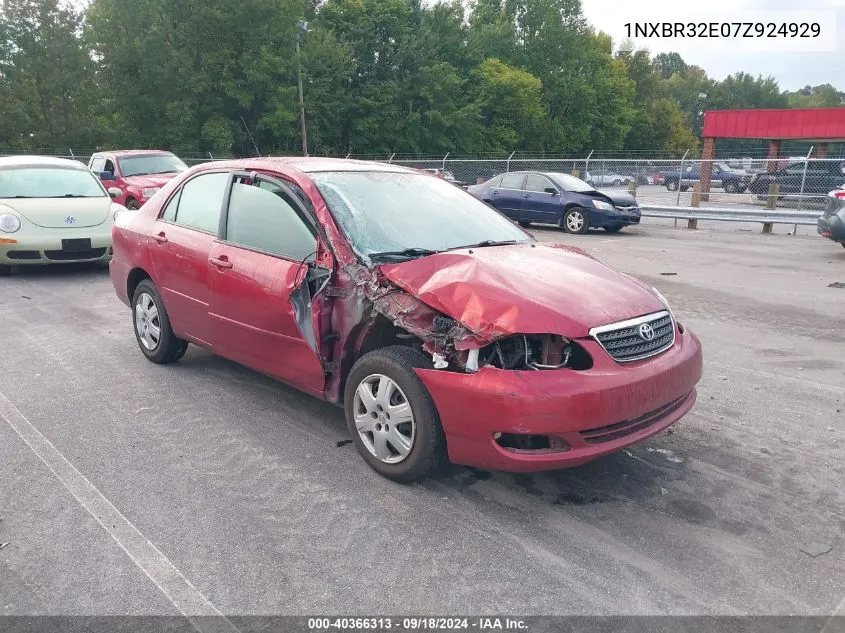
column 443, row 329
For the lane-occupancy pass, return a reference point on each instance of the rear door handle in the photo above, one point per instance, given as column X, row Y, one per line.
column 161, row 238
column 495, row 193
column 221, row 262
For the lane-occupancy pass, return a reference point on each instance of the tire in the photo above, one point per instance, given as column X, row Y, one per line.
column 524, row 223
column 684, row 187
column 168, row 348
column 421, row 441
column 730, row 187
column 571, row 222
column 617, row 183
column 672, row 185
column 613, row 229
column 132, row 204
column 5, row 270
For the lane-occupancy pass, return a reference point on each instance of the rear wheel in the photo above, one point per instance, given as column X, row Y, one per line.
column 152, row 326
column 5, row 270
column 575, row 220
column 672, row 185
column 391, row 416
column 617, row 183
column 132, row 204
column 730, row 187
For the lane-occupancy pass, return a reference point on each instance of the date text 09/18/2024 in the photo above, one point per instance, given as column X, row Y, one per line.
column 417, row 624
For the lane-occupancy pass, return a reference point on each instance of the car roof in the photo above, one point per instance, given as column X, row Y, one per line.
column 308, row 165
column 134, row 152
column 40, row 161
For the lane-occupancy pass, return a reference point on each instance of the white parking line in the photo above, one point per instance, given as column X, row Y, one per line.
column 187, row 599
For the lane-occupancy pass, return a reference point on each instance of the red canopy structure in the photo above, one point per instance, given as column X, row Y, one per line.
column 817, row 125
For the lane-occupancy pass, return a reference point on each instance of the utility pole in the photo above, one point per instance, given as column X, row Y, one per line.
column 301, row 27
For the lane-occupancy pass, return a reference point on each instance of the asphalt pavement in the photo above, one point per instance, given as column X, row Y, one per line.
column 129, row 488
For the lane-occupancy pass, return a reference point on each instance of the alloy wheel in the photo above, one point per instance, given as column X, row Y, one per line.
column 384, row 419
column 147, row 321
column 574, row 221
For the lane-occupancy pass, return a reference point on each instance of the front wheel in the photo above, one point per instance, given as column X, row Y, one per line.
column 132, row 204
column 617, row 183
column 730, row 187
column 575, row 220
column 391, row 416
column 5, row 270
column 152, row 326
column 672, row 185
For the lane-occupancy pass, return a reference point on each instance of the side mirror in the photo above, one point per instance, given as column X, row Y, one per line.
column 551, row 190
column 106, row 175
column 114, row 192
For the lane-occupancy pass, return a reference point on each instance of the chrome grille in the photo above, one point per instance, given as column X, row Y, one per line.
column 625, row 342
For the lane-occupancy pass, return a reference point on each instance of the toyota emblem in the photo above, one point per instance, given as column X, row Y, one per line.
column 70, row 220
column 646, row 332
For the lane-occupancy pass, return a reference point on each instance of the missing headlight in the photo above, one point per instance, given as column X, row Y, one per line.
column 534, row 351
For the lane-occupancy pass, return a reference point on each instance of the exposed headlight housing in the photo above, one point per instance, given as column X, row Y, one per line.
column 9, row 223
column 149, row 192
column 604, row 206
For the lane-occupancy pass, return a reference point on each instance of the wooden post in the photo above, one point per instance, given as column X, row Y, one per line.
column 576, row 173
column 767, row 227
column 692, row 223
column 696, row 195
column 632, row 188
column 772, row 200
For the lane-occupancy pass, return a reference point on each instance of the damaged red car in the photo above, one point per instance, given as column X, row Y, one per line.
column 444, row 330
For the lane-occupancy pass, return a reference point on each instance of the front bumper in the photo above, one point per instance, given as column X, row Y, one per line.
column 46, row 246
column 595, row 412
column 832, row 227
column 600, row 219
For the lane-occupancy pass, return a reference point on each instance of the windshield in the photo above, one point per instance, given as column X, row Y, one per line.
column 49, row 182
column 570, row 183
column 392, row 212
column 151, row 164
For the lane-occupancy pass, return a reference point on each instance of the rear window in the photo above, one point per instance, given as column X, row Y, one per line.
column 49, row 182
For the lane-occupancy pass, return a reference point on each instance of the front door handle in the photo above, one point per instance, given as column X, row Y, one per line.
column 221, row 262
column 161, row 238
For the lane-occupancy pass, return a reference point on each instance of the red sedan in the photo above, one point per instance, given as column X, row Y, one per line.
column 441, row 327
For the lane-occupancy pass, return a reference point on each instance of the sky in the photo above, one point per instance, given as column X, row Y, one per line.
column 792, row 69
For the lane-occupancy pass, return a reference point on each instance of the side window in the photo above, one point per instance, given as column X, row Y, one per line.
column 512, row 181
column 98, row 165
column 200, row 202
column 109, row 165
column 263, row 218
column 169, row 214
column 795, row 168
column 534, row 182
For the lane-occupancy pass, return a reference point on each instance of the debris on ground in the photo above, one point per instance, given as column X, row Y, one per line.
column 836, row 284
column 141, row 410
column 25, row 297
column 668, row 274
column 663, row 491
column 2, row 545
column 343, row 443
column 816, row 549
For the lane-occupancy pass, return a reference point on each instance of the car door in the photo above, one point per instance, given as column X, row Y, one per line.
column 506, row 196
column 182, row 238
column 266, row 243
column 538, row 204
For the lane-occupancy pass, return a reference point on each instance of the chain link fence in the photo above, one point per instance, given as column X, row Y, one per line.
column 800, row 182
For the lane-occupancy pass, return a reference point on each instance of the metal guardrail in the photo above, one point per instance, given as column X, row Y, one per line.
column 766, row 217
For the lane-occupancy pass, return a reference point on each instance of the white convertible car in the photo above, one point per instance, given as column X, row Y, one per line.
column 53, row 210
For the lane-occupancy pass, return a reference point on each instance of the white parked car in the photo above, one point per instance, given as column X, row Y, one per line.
column 53, row 210
column 605, row 177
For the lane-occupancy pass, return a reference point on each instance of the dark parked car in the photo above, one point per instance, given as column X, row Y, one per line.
column 822, row 177
column 832, row 222
column 730, row 180
column 441, row 328
column 553, row 198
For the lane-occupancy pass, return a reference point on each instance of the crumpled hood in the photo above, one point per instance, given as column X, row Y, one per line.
column 524, row 289
column 620, row 199
column 152, row 180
